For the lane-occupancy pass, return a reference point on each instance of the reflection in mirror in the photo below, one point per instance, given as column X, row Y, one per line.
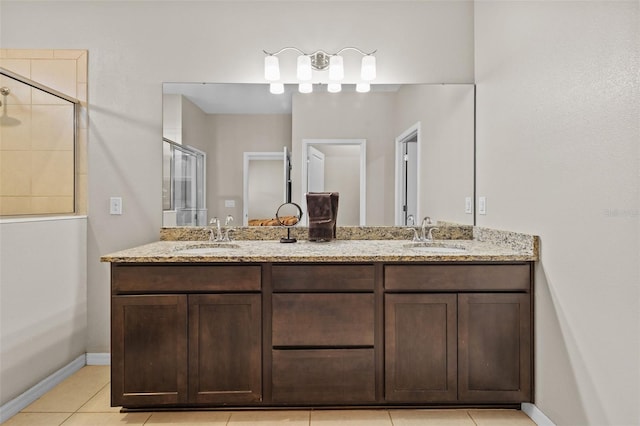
column 288, row 215
column 183, row 185
column 228, row 120
column 337, row 165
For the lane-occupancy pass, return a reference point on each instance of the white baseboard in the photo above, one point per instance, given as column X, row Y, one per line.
column 536, row 415
column 16, row 405
column 98, row 358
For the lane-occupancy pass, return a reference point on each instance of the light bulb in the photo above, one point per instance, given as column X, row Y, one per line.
column 305, row 88
column 336, row 68
column 334, row 87
column 363, row 87
column 368, row 70
column 304, row 68
column 276, row 88
column 271, row 68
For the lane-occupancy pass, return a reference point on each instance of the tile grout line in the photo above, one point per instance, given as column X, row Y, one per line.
column 90, row 398
column 471, row 417
column 390, row 417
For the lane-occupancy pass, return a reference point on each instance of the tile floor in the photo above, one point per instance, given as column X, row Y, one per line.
column 83, row 400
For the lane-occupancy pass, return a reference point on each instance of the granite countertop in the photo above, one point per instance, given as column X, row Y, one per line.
column 332, row 251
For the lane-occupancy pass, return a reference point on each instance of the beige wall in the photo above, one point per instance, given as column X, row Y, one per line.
column 557, row 135
column 37, row 153
column 446, row 163
column 230, row 136
column 342, row 174
column 43, row 299
column 347, row 116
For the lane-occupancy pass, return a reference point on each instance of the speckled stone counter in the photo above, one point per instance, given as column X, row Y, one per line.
column 199, row 233
column 333, row 251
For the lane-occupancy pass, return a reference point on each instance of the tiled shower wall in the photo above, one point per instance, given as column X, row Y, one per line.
column 37, row 173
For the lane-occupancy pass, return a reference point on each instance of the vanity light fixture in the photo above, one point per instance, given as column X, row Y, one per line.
column 319, row 61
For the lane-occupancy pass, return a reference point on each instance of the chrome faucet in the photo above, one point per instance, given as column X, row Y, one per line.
column 218, row 235
column 430, row 235
column 228, row 229
column 426, row 221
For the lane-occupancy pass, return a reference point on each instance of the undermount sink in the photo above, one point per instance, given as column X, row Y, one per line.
column 435, row 247
column 206, row 248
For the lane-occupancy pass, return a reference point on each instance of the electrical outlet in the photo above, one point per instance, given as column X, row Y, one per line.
column 468, row 208
column 482, row 205
column 230, row 203
column 115, row 205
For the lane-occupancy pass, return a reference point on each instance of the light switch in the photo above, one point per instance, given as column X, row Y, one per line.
column 482, row 205
column 468, row 208
column 115, row 205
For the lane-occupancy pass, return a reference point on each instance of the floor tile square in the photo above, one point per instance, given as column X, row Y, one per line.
column 431, row 418
column 190, row 418
column 100, row 403
column 350, row 418
column 37, row 419
column 269, row 418
column 500, row 418
column 72, row 393
column 107, row 419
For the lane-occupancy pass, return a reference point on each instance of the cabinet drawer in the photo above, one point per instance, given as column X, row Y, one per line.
column 323, row 319
column 503, row 277
column 323, row 277
column 323, row 376
column 182, row 278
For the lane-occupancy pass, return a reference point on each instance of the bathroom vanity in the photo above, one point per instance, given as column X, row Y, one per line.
column 345, row 323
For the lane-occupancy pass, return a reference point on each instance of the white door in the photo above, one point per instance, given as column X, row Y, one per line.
column 315, row 170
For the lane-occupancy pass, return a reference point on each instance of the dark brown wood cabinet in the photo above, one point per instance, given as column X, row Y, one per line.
column 191, row 347
column 225, row 348
column 149, row 350
column 303, row 334
column 494, row 347
column 421, row 347
column 323, row 334
column 458, row 333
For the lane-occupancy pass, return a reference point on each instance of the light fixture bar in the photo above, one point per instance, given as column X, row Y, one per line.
column 319, row 60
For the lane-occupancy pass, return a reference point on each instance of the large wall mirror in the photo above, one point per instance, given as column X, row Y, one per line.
column 395, row 154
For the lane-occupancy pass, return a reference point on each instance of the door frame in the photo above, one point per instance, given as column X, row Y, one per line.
column 408, row 133
column 362, row 143
column 258, row 156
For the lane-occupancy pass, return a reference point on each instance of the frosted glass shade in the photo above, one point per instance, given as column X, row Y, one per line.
column 276, row 88
column 271, row 68
column 363, row 87
column 334, row 87
column 368, row 70
column 336, row 68
column 305, row 88
column 304, row 68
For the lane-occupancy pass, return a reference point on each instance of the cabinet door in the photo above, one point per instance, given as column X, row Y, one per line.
column 225, row 348
column 494, row 347
column 420, row 347
column 149, row 350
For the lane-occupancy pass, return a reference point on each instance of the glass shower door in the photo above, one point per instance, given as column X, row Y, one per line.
column 185, row 190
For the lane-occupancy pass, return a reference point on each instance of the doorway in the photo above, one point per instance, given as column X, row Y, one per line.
column 407, row 182
column 337, row 165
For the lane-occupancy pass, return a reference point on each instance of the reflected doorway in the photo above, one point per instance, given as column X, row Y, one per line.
column 406, row 197
column 337, row 165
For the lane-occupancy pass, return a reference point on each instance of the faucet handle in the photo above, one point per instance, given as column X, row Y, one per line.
column 227, row 236
column 416, row 237
column 214, row 221
column 430, row 233
column 228, row 220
